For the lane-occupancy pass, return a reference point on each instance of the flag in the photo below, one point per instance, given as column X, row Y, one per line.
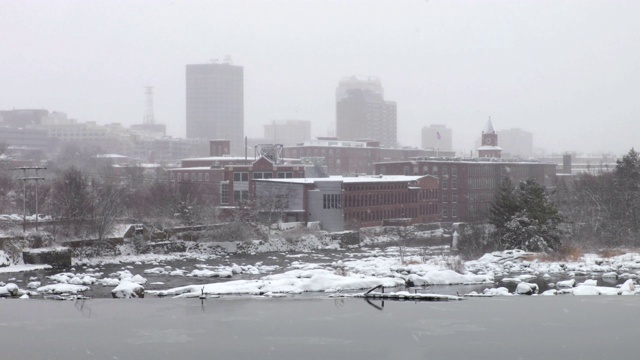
column 438, row 135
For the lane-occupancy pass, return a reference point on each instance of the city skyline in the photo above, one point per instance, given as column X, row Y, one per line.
column 551, row 69
column 362, row 112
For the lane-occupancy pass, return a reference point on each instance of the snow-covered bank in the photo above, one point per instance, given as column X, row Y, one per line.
column 22, row 268
column 320, row 267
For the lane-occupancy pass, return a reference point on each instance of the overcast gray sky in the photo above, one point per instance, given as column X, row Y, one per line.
column 568, row 71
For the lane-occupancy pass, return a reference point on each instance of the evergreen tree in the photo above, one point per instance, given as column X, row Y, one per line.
column 525, row 219
column 627, row 181
column 504, row 207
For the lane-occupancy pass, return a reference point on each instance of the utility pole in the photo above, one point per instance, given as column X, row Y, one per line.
column 24, row 179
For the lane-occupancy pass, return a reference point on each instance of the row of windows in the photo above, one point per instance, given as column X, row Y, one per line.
column 483, row 183
column 445, row 182
column 381, row 214
column 328, row 151
column 426, row 170
column 224, row 193
column 429, row 209
column 454, row 197
column 375, row 187
column 240, row 195
column 244, row 176
column 482, row 170
column 359, row 200
column 332, row 201
column 240, row 176
column 189, row 176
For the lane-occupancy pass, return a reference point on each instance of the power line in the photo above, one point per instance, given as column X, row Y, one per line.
column 24, row 179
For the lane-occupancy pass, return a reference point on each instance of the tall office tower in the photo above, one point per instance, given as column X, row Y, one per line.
column 288, row 132
column 215, row 103
column 362, row 112
column 437, row 136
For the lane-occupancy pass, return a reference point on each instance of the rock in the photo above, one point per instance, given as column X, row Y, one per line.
column 34, row 284
column 612, row 274
column 59, row 257
column 10, row 289
column 628, row 287
column 137, row 279
column 501, row 291
column 586, row 290
column 566, row 283
column 414, row 280
column 526, row 288
column 236, row 269
column 127, row 289
column 589, row 282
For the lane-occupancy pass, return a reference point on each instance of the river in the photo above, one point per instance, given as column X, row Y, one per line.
column 561, row 327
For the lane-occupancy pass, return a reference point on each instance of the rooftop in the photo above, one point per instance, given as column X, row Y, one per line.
column 415, row 160
column 350, row 179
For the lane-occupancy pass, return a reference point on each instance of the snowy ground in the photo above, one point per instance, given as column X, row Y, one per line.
column 425, row 270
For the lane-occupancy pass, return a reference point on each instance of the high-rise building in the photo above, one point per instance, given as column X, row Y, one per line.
column 347, row 84
column 437, row 136
column 362, row 112
column 288, row 132
column 215, row 103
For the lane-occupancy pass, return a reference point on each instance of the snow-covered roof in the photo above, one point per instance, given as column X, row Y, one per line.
column 111, row 156
column 488, row 128
column 192, row 168
column 488, row 147
column 119, row 230
column 350, row 179
column 220, row 158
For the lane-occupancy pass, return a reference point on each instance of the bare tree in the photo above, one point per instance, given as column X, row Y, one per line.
column 108, row 206
column 72, row 202
column 272, row 204
column 404, row 232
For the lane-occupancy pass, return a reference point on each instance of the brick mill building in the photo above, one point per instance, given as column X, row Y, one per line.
column 340, row 203
column 352, row 157
column 225, row 180
column 468, row 187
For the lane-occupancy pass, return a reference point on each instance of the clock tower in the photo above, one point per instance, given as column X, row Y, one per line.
column 489, row 147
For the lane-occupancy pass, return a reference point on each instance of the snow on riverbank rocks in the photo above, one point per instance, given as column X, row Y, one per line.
column 303, row 243
column 126, row 275
column 524, row 288
column 75, row 279
column 291, row 282
column 446, row 277
column 62, row 289
column 127, row 290
column 323, row 280
column 528, row 266
column 221, row 271
column 9, row 290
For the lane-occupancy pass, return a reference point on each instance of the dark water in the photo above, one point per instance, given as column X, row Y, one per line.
column 563, row 327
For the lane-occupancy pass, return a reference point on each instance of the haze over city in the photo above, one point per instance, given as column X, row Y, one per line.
column 566, row 71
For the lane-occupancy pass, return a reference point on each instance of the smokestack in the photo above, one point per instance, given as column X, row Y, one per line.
column 566, row 163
